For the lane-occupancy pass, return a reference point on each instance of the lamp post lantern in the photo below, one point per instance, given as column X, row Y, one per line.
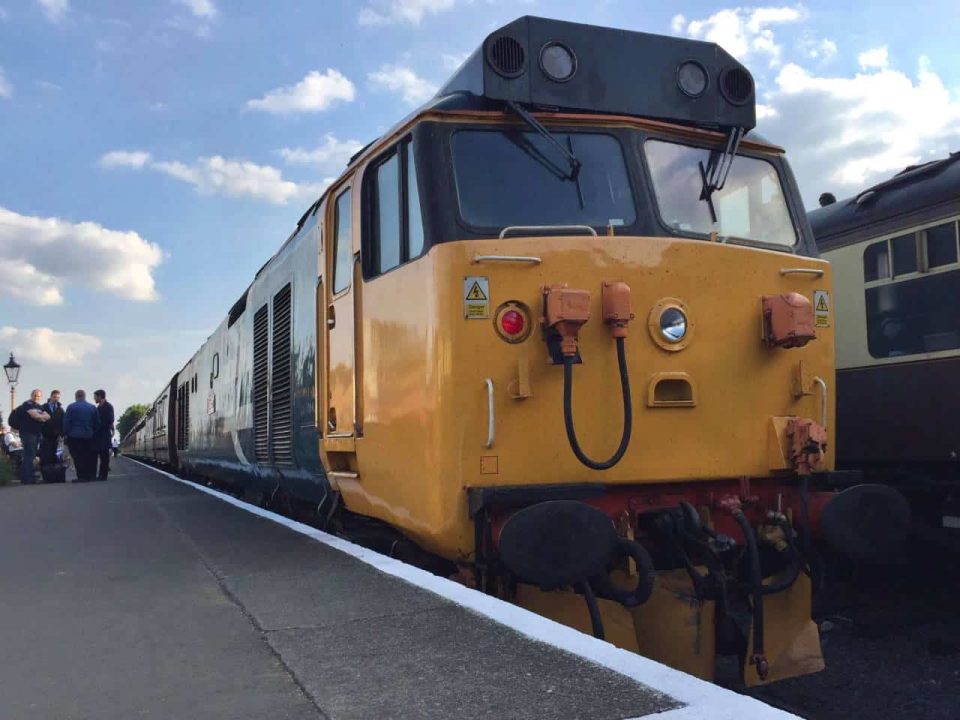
column 12, row 369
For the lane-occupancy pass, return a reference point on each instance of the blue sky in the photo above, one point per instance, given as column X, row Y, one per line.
column 154, row 154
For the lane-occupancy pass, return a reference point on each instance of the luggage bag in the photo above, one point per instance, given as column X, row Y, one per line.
column 53, row 473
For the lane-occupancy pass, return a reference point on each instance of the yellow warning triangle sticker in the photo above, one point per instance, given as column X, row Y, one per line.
column 821, row 304
column 476, row 292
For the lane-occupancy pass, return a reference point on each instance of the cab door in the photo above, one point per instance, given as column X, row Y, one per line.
column 341, row 329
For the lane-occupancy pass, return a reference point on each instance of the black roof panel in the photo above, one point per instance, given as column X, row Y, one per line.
column 913, row 196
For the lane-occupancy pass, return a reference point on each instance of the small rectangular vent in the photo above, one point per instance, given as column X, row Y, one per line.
column 261, row 391
column 281, row 415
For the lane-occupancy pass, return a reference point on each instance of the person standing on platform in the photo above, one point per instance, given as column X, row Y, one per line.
column 31, row 419
column 52, row 430
column 103, row 439
column 80, row 424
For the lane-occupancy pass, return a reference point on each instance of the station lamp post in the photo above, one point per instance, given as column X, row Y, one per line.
column 12, row 369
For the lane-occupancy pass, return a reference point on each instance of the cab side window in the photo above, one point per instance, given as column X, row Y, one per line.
column 342, row 237
column 392, row 205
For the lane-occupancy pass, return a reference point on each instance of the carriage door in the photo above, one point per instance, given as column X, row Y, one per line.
column 341, row 321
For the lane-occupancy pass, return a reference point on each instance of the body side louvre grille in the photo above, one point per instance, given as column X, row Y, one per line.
column 261, row 417
column 281, row 415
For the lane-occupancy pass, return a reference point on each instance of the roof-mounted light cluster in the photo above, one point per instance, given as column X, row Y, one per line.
column 539, row 62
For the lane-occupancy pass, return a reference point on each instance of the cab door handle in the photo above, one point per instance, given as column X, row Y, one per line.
column 331, row 317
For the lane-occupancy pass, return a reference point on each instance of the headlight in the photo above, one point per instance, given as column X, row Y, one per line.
column 673, row 325
column 692, row 78
column 558, row 61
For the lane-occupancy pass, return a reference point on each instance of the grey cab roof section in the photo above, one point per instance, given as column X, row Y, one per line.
column 618, row 72
column 916, row 195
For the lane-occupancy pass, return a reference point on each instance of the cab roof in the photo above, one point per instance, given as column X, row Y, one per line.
column 615, row 71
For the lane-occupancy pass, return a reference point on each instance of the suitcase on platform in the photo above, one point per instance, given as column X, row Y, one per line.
column 53, row 473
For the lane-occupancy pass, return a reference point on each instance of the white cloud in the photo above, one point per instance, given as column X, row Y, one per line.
column 41, row 255
column 6, row 87
column 200, row 8
column 843, row 133
column 316, row 92
column 48, row 346
column 54, row 9
column 217, row 175
column 22, row 281
column 238, row 178
column 125, row 158
column 817, row 49
column 874, row 58
column 330, row 156
column 765, row 112
column 742, row 32
column 389, row 12
column 405, row 81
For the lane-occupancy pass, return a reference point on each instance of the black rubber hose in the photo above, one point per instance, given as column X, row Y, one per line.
column 796, row 564
column 756, row 592
column 627, row 411
column 645, row 574
column 594, row 609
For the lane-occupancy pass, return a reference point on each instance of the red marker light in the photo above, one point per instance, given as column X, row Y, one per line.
column 512, row 322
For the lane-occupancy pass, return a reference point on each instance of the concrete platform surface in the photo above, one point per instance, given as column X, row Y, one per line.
column 146, row 597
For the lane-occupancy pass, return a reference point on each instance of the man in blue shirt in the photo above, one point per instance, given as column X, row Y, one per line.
column 80, row 424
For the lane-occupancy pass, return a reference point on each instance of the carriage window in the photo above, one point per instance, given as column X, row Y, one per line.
column 941, row 245
column 904, row 254
column 876, row 262
column 511, row 177
column 342, row 252
column 750, row 206
column 915, row 316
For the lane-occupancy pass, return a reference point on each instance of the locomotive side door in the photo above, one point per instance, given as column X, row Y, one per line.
column 340, row 291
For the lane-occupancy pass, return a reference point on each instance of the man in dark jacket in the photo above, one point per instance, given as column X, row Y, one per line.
column 103, row 438
column 80, row 423
column 51, row 430
column 32, row 418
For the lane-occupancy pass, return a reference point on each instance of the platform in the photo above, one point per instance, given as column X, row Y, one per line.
column 149, row 597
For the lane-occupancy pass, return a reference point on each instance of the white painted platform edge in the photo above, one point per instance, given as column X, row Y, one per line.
column 703, row 700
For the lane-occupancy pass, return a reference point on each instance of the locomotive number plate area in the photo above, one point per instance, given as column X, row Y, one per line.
column 476, row 297
column 821, row 308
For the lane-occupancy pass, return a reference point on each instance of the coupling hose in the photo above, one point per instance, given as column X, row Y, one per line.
column 759, row 657
column 627, row 411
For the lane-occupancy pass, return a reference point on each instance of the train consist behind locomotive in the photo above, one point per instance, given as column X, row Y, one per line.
column 894, row 249
column 436, row 357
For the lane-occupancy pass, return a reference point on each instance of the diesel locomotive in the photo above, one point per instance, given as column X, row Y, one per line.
column 563, row 334
column 894, row 249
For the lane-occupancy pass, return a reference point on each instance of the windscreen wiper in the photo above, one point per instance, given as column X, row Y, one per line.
column 714, row 174
column 538, row 126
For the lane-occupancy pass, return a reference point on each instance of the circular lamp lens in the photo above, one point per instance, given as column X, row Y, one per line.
column 673, row 324
column 558, row 62
column 512, row 322
column 692, row 78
